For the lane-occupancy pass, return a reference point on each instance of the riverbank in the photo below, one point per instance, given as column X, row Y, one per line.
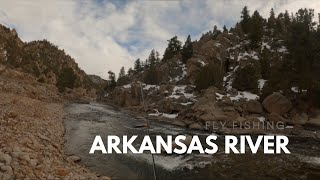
column 224, row 128
column 32, row 131
column 84, row 121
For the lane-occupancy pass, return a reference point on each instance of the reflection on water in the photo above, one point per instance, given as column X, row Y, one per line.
column 84, row 121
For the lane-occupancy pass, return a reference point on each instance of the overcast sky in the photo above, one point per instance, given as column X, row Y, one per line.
column 105, row 35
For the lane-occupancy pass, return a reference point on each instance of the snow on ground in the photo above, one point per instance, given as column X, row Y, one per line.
column 261, row 119
column 181, row 76
column 217, row 44
column 148, row 86
column 282, row 50
column 219, row 96
column 154, row 114
column 244, row 55
column 127, row 86
column 157, row 113
column 170, row 116
column 180, row 91
column 241, row 95
column 187, row 103
column 227, row 81
column 295, row 89
column 265, row 45
column 261, row 83
column 202, row 63
column 244, row 95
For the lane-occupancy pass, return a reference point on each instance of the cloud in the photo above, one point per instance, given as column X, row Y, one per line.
column 105, row 35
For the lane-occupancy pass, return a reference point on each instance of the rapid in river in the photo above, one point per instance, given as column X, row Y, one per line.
column 84, row 121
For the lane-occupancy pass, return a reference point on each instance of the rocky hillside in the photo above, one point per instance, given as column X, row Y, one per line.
column 32, row 131
column 43, row 60
column 245, row 74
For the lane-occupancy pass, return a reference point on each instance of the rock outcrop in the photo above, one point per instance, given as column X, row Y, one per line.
column 253, row 106
column 277, row 103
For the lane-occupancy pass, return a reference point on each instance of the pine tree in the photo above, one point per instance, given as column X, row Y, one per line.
column 287, row 20
column 152, row 59
column 130, row 72
column 272, row 19
column 256, row 29
column 215, row 32
column 225, row 30
column 300, row 45
column 210, row 75
column 174, row 47
column 138, row 67
column 245, row 20
column 112, row 80
column 187, row 50
column 246, row 78
column 122, row 72
column 66, row 79
column 157, row 57
column 146, row 64
column 265, row 64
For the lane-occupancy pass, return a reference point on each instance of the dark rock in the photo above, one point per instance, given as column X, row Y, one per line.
column 299, row 119
column 253, row 106
column 196, row 126
column 277, row 103
column 275, row 117
column 297, row 130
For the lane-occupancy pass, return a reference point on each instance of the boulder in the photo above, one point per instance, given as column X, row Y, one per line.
column 277, row 103
column 74, row 158
column 239, row 121
column 105, row 178
column 314, row 121
column 215, row 115
column 299, row 119
column 275, row 117
column 193, row 68
column 232, row 115
column 297, row 130
column 253, row 106
column 206, row 103
column 227, row 101
column 179, row 123
column 196, row 126
column 5, row 158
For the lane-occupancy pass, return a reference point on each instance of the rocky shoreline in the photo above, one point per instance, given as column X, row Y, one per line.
column 221, row 114
column 32, row 131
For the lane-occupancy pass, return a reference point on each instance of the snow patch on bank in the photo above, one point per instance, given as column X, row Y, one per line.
column 179, row 91
column 148, row 87
column 158, row 114
column 245, row 95
column 241, row 95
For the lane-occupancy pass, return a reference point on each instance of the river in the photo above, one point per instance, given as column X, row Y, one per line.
column 84, row 121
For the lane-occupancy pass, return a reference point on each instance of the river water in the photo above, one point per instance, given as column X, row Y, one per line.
column 84, row 121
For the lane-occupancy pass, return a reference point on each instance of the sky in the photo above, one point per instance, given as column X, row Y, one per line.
column 105, row 35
